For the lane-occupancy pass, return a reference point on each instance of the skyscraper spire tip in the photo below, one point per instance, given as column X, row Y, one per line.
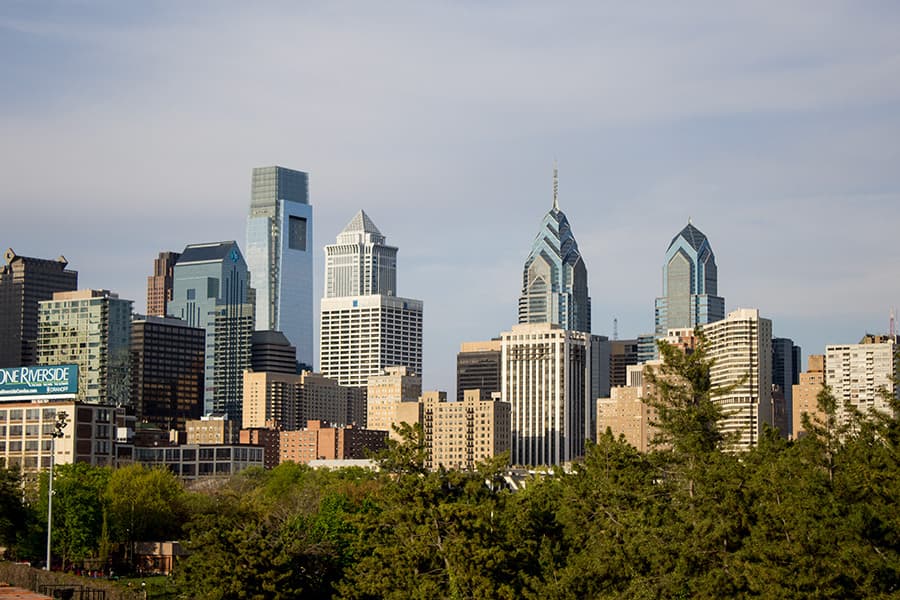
column 555, row 185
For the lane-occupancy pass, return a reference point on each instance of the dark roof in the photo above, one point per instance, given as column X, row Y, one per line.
column 206, row 252
column 268, row 336
column 691, row 235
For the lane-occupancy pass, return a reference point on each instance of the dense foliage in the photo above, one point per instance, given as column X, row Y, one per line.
column 817, row 517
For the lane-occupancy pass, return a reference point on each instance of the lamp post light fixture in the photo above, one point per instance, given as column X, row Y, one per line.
column 60, row 424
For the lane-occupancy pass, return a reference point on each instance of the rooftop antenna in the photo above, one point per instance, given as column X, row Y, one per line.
column 893, row 325
column 555, row 186
column 615, row 328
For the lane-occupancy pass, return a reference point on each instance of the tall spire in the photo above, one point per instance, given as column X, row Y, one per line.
column 555, row 186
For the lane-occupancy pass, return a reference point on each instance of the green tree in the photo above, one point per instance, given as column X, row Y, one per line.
column 77, row 509
column 13, row 511
column 284, row 533
column 430, row 534
column 144, row 504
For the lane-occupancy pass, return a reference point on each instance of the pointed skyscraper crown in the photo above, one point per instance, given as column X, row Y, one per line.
column 360, row 229
column 690, row 284
column 692, row 236
column 554, row 286
column 360, row 263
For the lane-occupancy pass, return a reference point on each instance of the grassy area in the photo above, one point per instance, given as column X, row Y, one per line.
column 157, row 586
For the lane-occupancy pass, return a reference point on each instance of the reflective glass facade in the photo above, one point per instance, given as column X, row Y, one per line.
column 279, row 255
column 690, row 284
column 211, row 290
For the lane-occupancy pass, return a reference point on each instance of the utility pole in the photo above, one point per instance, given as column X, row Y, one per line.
column 57, row 433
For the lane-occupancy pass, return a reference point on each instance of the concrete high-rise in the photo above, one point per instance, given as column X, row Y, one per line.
column 211, row 290
column 862, row 375
column 741, row 375
column 92, row 329
column 24, row 282
column 364, row 332
column 280, row 256
column 551, row 378
column 360, row 263
column 159, row 285
column 690, row 284
column 554, row 278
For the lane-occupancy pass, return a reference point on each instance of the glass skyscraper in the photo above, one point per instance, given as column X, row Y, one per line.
column 280, row 257
column 690, row 284
column 92, row 329
column 211, row 290
column 554, row 280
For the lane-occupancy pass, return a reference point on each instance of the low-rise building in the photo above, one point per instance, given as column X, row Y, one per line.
column 321, row 441
column 27, row 428
column 212, row 429
column 194, row 461
column 270, row 441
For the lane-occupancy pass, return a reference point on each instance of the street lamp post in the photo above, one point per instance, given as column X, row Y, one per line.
column 57, row 433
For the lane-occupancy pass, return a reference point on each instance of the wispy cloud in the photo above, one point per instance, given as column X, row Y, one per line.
column 128, row 129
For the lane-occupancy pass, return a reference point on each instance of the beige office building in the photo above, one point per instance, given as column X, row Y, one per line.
column 459, row 435
column 626, row 411
column 292, row 400
column 392, row 397
column 270, row 398
column 741, row 347
column 806, row 394
column 862, row 375
column 26, row 429
column 212, row 429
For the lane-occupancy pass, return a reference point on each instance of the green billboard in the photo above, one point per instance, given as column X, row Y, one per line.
column 51, row 380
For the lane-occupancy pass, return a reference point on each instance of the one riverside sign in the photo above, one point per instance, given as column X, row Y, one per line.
column 56, row 381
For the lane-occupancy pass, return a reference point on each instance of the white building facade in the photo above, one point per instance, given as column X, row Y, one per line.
column 741, row 347
column 862, row 375
column 551, row 378
column 365, row 327
column 362, row 335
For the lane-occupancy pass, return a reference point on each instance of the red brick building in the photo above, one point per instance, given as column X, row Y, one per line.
column 321, row 441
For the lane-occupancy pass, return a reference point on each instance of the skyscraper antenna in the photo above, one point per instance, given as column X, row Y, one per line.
column 555, row 186
column 893, row 326
column 616, row 328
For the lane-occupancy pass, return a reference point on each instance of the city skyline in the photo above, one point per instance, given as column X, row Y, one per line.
column 777, row 136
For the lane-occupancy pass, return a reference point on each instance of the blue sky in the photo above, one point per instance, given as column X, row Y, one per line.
column 130, row 128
